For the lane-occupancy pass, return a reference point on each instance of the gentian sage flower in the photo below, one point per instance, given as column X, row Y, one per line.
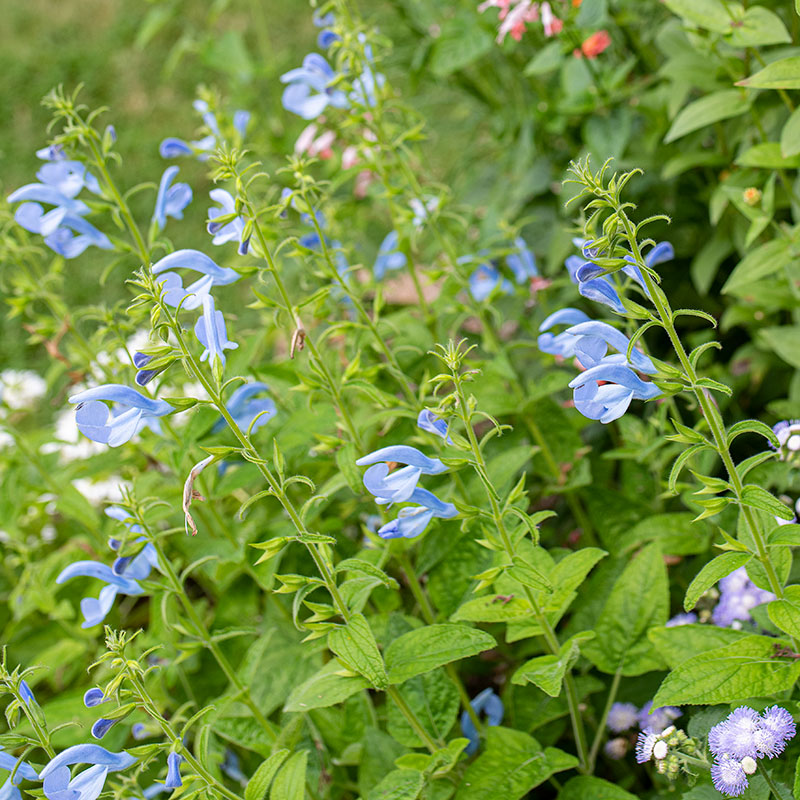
column 562, row 344
column 226, row 230
column 521, row 261
column 21, row 771
column 399, row 486
column 309, row 89
column 192, row 296
column 25, row 692
column 171, row 199
column 244, row 407
column 326, row 37
column 173, row 780
column 609, row 401
column 88, row 784
column 69, row 238
column 429, row 422
column 594, row 338
column 422, row 209
column 485, row 280
column 389, row 257
column 488, row 703
column 96, row 422
column 413, row 520
column 212, row 333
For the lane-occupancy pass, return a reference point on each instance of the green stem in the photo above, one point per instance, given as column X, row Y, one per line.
column 773, row 788
column 601, row 727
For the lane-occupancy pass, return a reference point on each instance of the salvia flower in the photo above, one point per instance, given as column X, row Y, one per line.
column 422, row 209
column 594, row 339
column 485, row 280
column 192, row 296
column 397, row 486
column 429, row 422
column 309, row 89
column 172, row 147
column 413, row 520
column 172, row 199
column 96, row 422
column 389, row 256
column 173, row 780
column 26, row 693
column 521, row 261
column 69, row 238
column 244, row 406
column 562, row 344
column 609, row 401
column 24, row 771
column 226, row 231
column 622, row 717
column 88, row 784
column 212, row 333
column 488, row 703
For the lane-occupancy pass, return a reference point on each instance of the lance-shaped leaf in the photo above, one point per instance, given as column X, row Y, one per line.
column 717, row 568
column 355, row 645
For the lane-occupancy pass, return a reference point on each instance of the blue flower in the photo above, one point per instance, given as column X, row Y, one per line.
column 241, row 119
column 244, row 407
column 433, row 424
column 209, row 117
column 622, row 717
column 562, row 344
column 23, row 769
column 139, row 731
column 232, row 767
column 326, row 37
column 172, row 147
column 485, row 280
column 88, row 784
column 487, row 702
column 102, row 726
column 171, row 200
column 71, row 235
column 309, row 91
column 422, row 209
column 593, row 340
column 96, row 569
column 413, row 520
column 522, row 262
column 211, row 333
column 192, row 296
column 173, row 780
column 610, row 401
column 96, row 422
column 401, row 484
column 389, row 257
column 232, row 230
column 124, row 516
column 25, row 693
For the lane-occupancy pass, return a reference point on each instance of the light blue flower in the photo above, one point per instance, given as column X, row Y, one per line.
column 522, row 262
column 96, row 422
column 326, row 37
column 192, row 296
column 173, row 780
column 389, row 257
column 413, row 520
column 231, row 766
column 593, row 340
column 139, row 731
column 562, row 344
column 102, row 726
column 244, row 407
column 400, row 485
column 309, row 89
column 23, row 769
column 26, row 693
column 422, row 209
column 241, row 119
column 88, row 784
column 211, row 332
column 144, row 376
column 73, row 235
column 488, row 703
column 126, row 518
column 96, row 569
column 485, row 280
column 171, row 200
column 209, row 117
column 172, row 147
column 611, row 400
column 428, row 421
column 226, row 231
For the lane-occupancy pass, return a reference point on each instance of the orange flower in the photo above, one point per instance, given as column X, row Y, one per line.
column 595, row 44
column 576, row 3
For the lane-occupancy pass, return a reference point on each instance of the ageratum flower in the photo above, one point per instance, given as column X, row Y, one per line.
column 389, row 256
column 788, row 433
column 400, row 485
column 244, row 407
column 226, row 231
column 738, row 596
column 681, row 619
column 192, row 296
column 622, row 717
column 488, row 703
column 645, row 743
column 88, row 784
column 561, row 344
column 609, row 401
column 309, row 89
column 211, row 332
column 729, row 776
column 96, row 422
column 171, row 199
column 660, row 719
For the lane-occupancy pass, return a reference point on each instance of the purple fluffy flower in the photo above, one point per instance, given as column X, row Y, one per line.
column 645, row 743
column 660, row 719
column 681, row 619
column 777, row 727
column 622, row 717
column 736, row 735
column 729, row 776
column 738, row 595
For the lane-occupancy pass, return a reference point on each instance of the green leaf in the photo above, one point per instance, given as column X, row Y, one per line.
column 433, row 698
column 677, row 534
column 333, row 684
column 753, row 426
column 682, row 642
column 399, row 784
column 767, row 155
column 547, row 672
column 738, row 671
column 257, row 786
column 424, row 649
column 790, row 135
column 765, row 260
column 759, row 27
column 585, row 787
column 717, row 568
column 546, row 60
column 785, row 535
column 709, row 14
column 784, row 340
column 757, row 497
column 592, row 14
column 493, row 608
column 785, row 615
column 365, row 568
column 512, row 764
column 462, row 41
column 707, row 110
column 781, row 74
column 680, row 462
column 290, row 783
column 622, row 643
column 524, row 572
column 355, row 645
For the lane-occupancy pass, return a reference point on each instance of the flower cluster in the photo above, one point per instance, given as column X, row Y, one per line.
column 486, row 279
column 514, row 15
column 738, row 595
column 742, row 738
column 172, row 147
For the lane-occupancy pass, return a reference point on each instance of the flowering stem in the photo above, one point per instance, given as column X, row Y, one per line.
column 601, row 726
column 549, row 635
column 773, row 788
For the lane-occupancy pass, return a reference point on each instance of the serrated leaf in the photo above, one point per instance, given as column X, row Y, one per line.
column 712, row 572
column 355, row 645
column 767, row 155
column 707, row 110
column 790, row 136
column 333, row 684
column 290, row 783
column 547, row 672
column 709, row 14
column 399, row 784
column 757, row 28
column 586, row 787
column 493, row 608
column 422, row 650
column 785, row 535
column 785, row 615
column 760, row 498
column 682, row 642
